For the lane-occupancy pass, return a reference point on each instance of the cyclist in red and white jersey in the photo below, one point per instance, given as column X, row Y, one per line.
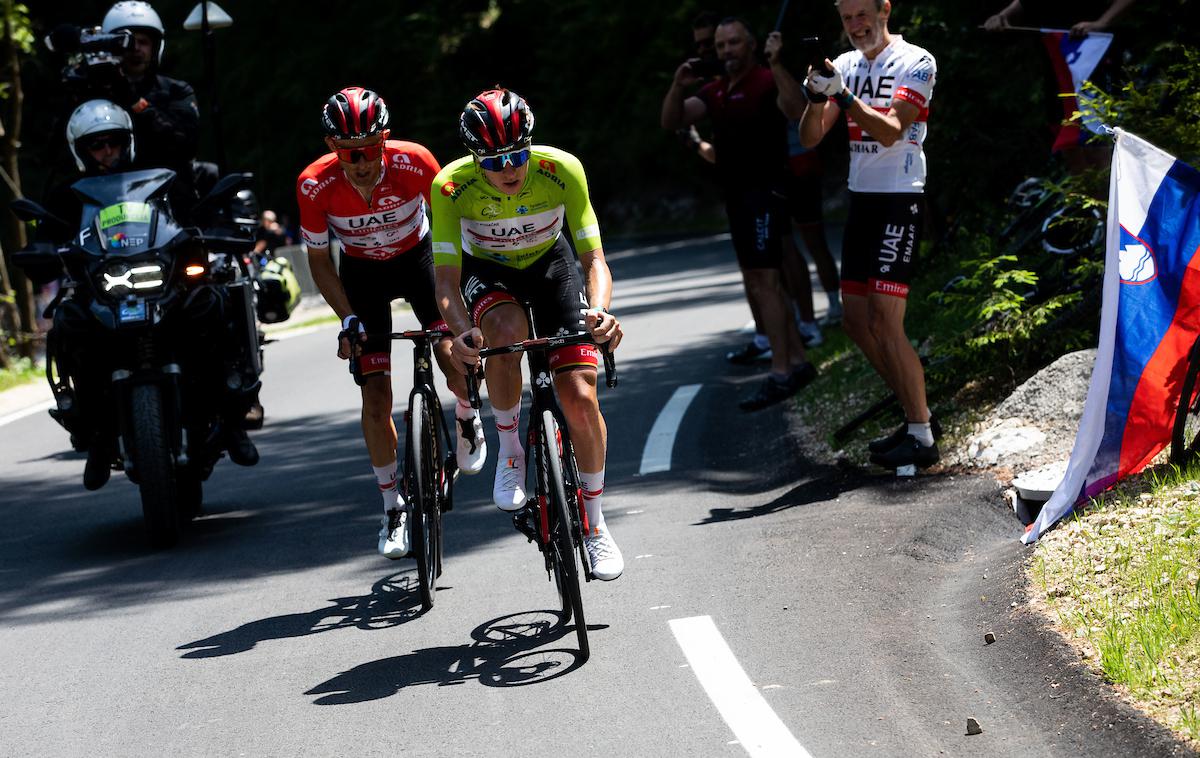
column 882, row 88
column 372, row 193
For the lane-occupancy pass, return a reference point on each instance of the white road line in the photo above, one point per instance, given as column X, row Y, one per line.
column 18, row 415
column 656, row 456
column 753, row 722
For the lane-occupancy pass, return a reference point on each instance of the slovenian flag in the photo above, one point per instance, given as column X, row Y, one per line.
column 1074, row 60
column 1148, row 321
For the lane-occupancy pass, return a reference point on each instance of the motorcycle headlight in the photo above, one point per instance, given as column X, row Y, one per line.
column 121, row 278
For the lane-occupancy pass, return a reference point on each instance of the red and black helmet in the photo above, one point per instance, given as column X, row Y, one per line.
column 354, row 113
column 496, row 121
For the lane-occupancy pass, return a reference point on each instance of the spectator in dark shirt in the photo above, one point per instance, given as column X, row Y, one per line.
column 749, row 118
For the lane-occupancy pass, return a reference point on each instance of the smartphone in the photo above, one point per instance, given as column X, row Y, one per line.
column 706, row 68
column 814, row 53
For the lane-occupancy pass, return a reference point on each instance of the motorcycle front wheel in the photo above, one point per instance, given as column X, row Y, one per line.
column 155, row 465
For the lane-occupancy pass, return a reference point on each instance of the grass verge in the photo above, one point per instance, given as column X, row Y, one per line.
column 1122, row 579
column 23, row 371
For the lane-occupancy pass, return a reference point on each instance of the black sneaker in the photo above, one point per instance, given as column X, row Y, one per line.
column 908, row 452
column 770, row 392
column 803, row 375
column 884, row 444
column 750, row 353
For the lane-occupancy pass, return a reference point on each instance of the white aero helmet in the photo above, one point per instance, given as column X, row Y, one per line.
column 134, row 15
column 92, row 118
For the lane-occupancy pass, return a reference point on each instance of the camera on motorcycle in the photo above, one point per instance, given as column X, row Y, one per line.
column 706, row 68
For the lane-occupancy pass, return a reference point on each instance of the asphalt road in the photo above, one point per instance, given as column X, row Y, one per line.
column 854, row 604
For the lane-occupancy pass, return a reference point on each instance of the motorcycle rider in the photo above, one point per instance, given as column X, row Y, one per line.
column 101, row 139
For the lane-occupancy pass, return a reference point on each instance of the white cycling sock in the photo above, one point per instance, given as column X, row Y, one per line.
column 463, row 410
column 593, row 490
column 386, row 477
column 922, row 433
column 508, row 425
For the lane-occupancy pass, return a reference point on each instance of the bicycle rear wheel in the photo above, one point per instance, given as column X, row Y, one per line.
column 563, row 533
column 1185, row 435
column 425, row 513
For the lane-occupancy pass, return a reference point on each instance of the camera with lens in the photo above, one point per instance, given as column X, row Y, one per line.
column 91, row 54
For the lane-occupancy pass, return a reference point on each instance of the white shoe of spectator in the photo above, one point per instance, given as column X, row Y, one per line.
column 810, row 333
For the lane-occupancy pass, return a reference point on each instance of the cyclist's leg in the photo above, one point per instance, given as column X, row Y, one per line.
column 496, row 311
column 363, row 282
column 557, row 306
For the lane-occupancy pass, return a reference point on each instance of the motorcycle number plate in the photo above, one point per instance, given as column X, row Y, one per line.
column 133, row 311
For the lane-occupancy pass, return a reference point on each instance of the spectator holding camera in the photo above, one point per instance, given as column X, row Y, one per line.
column 882, row 88
column 749, row 108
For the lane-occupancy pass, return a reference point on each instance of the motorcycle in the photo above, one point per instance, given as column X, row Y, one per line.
column 155, row 354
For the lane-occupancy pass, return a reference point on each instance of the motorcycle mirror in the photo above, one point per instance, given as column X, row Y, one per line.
column 226, row 185
column 27, row 210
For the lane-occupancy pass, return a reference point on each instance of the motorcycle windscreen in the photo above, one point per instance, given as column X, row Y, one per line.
column 126, row 228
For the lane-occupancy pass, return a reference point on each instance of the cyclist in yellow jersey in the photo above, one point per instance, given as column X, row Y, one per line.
column 500, row 221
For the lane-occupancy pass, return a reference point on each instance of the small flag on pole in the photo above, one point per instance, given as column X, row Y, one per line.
column 1074, row 61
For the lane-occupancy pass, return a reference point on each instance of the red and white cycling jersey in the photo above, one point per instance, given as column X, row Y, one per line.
column 391, row 224
column 901, row 73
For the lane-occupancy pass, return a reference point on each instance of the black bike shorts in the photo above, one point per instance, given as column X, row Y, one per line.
column 758, row 219
column 551, row 284
column 883, row 233
column 371, row 286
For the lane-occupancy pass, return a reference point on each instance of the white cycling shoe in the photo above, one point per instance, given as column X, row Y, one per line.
column 604, row 555
column 472, row 445
column 509, row 490
column 393, row 534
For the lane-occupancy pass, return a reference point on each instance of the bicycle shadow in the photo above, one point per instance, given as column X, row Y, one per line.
column 508, row 651
column 393, row 600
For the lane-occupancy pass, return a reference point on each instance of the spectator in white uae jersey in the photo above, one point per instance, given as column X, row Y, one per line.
column 882, row 88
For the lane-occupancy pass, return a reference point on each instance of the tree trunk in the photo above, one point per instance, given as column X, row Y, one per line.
column 20, row 313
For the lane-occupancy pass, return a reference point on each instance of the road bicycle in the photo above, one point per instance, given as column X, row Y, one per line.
column 430, row 465
column 554, row 517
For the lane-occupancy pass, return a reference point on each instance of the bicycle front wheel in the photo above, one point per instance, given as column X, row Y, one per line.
column 425, row 513
column 563, row 533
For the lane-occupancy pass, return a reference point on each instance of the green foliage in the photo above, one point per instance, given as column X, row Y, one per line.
column 1161, row 101
column 1013, row 306
column 20, row 371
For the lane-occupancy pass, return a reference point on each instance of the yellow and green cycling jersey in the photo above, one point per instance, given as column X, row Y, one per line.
column 472, row 216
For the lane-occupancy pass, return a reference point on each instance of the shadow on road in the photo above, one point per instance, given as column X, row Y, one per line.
column 509, row 651
column 393, row 600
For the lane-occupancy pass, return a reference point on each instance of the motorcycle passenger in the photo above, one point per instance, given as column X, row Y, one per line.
column 373, row 194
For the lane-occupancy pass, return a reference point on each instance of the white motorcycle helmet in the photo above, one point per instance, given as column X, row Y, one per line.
column 134, row 15
column 97, row 117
